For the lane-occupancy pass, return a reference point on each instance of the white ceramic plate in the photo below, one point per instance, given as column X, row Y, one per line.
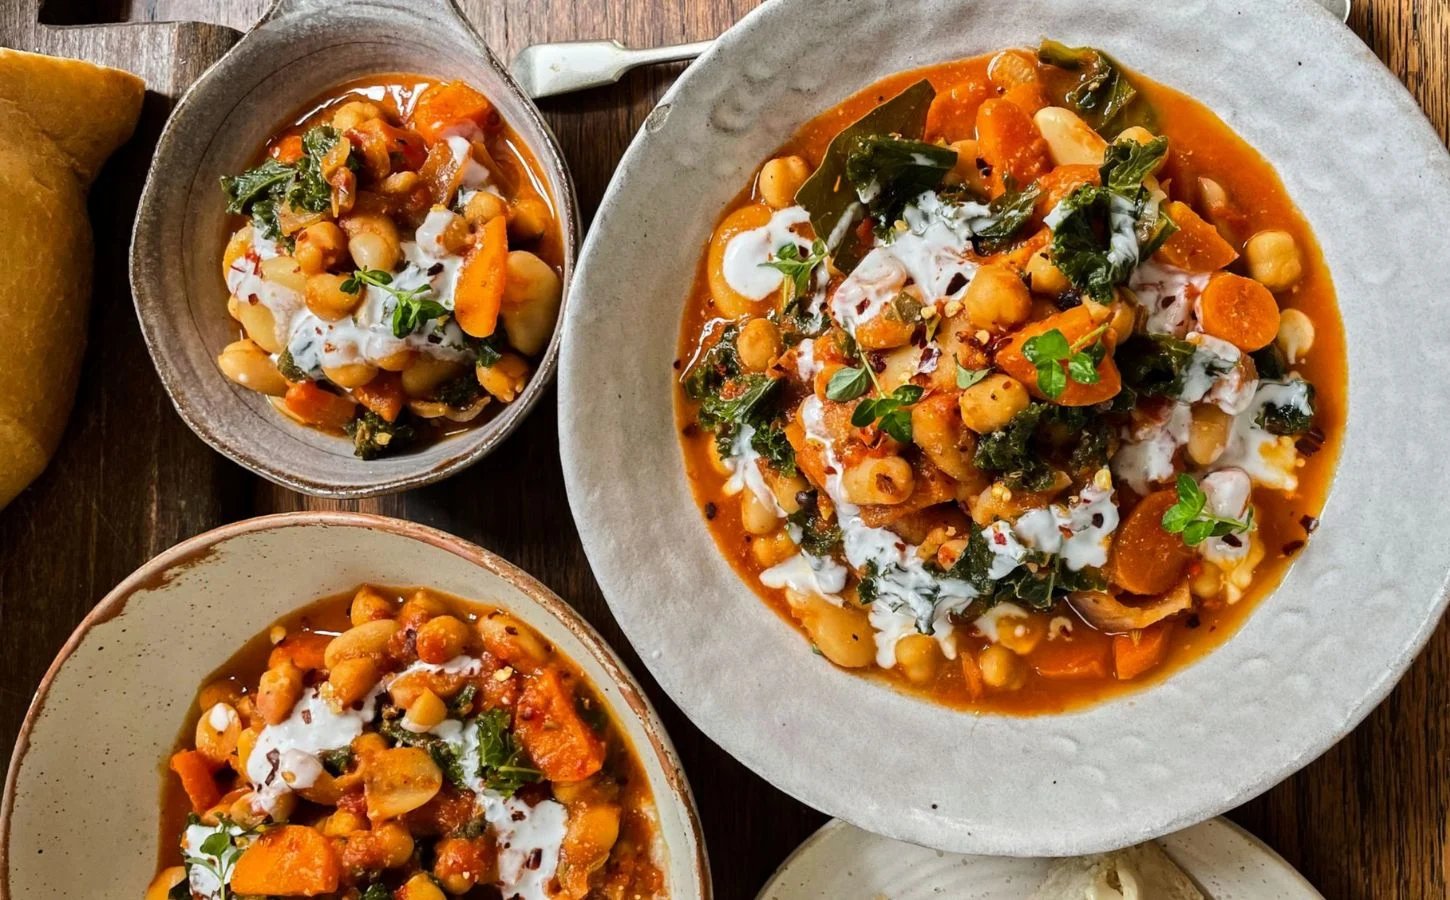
column 81, row 814
column 1371, row 176
column 845, row 863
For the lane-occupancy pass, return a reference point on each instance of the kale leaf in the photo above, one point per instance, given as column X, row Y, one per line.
column 748, row 403
column 1271, row 363
column 1010, row 451
column 254, row 184
column 504, row 765
column 715, row 366
column 440, row 750
column 460, row 392
column 889, row 172
column 1154, row 365
column 1009, row 213
column 373, row 436
column 1102, row 92
column 1289, row 419
column 818, row 536
column 261, row 190
column 1042, row 579
column 289, row 368
column 770, row 442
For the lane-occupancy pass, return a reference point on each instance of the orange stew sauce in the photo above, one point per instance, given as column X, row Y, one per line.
column 427, row 188
column 1059, row 661
column 387, row 814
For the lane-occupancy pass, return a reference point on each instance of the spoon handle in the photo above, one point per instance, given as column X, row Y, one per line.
column 544, row 70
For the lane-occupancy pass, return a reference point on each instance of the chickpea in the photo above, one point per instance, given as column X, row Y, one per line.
column 758, row 344
column 483, row 206
column 369, row 604
column 320, row 247
column 420, row 887
column 426, row 710
column 400, row 184
column 1296, row 335
column 217, row 733
column 992, row 402
column 529, row 217
column 531, row 297
column 1273, row 259
column 772, row 550
column 350, row 376
column 781, row 178
column 353, row 113
column 786, row 489
column 1001, row 668
column 461, row 863
column 278, row 691
column 1045, row 277
column 248, row 365
column 997, row 299
column 1137, row 134
column 506, row 378
column 343, row 823
column 1207, row 434
column 351, row 679
column 258, row 322
column 373, row 241
column 427, row 374
column 385, row 846
column 878, row 479
column 421, row 607
column 442, row 638
column 397, row 361
column 326, row 298
column 511, row 641
column 755, row 516
column 919, row 657
column 1021, row 635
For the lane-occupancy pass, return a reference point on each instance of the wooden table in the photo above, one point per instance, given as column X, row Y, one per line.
column 1368, row 819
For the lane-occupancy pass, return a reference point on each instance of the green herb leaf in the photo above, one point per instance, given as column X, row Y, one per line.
column 377, row 891
column 889, row 172
column 890, row 413
column 254, row 184
column 828, row 194
column 1188, row 518
column 1050, row 350
column 797, row 270
column 1102, row 93
column 848, row 383
column 504, row 766
column 968, row 377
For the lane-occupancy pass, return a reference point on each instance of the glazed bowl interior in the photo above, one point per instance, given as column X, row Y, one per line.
column 1313, row 657
column 94, row 746
column 303, row 50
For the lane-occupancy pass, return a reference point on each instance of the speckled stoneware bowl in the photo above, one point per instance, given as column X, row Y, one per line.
column 1372, row 178
column 80, row 815
column 841, row 860
column 301, row 49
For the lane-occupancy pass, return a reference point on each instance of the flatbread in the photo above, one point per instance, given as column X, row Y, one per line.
column 59, row 120
column 1143, row 872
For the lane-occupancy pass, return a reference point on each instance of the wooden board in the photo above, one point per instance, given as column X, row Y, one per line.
column 1369, row 819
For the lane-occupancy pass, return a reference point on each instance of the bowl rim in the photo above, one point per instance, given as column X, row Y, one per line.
column 472, row 444
column 196, row 550
column 703, row 85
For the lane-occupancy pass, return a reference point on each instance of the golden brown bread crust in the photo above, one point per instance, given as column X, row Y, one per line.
column 59, row 120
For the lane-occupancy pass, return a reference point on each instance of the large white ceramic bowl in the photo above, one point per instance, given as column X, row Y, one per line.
column 81, row 810
column 1372, row 178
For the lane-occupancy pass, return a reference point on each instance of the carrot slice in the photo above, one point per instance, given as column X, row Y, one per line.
column 1026, row 96
column 383, row 395
column 953, row 113
column 478, row 294
column 318, row 407
column 1139, row 651
column 1010, row 144
column 290, row 861
column 1196, row 245
column 1144, row 558
column 1071, row 658
column 446, row 106
column 1075, row 323
column 560, row 743
column 1239, row 310
column 195, row 771
column 1062, row 181
column 303, row 649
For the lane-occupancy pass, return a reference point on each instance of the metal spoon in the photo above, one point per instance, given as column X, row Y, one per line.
column 544, row 70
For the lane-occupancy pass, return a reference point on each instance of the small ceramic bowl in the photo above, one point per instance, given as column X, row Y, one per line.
column 1311, row 660
column 85, row 780
column 300, row 50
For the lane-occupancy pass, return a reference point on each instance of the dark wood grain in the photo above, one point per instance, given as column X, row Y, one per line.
column 1368, row 819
